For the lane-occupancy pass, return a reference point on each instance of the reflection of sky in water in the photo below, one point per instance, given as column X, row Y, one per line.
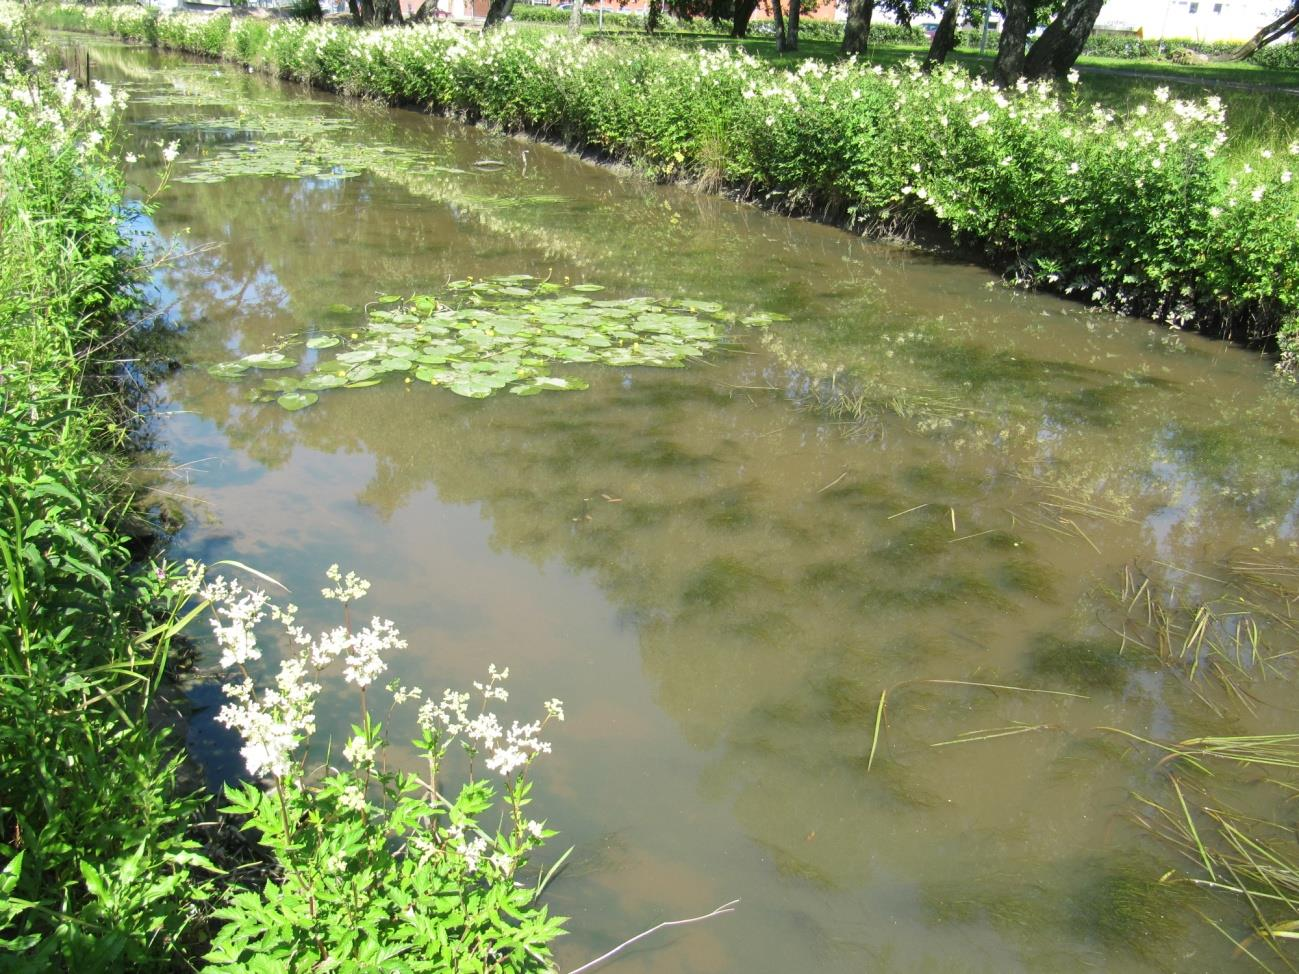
column 716, row 572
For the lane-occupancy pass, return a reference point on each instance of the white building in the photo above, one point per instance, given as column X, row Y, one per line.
column 1200, row 20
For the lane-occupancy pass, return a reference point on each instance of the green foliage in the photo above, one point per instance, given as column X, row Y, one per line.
column 1143, row 210
column 502, row 332
column 98, row 872
column 375, row 868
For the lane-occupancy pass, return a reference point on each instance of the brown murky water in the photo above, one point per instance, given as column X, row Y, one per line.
column 920, row 477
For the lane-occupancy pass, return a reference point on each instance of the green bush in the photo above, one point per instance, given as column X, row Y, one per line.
column 1279, row 57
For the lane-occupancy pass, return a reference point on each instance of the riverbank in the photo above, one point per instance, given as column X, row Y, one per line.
column 1139, row 211
column 98, row 870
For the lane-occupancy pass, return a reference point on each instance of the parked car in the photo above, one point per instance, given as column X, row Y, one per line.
column 930, row 27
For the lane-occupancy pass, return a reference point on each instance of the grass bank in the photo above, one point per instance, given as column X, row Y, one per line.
column 1144, row 210
column 96, row 869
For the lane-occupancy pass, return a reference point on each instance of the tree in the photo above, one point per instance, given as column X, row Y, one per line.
column 1052, row 54
column 1009, row 64
column 575, row 18
column 376, row 13
column 497, row 12
column 1287, row 23
column 857, row 29
column 791, row 23
column 945, row 37
column 780, row 25
column 1055, row 52
column 741, row 15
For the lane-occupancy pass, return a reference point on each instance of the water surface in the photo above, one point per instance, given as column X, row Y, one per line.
column 921, row 476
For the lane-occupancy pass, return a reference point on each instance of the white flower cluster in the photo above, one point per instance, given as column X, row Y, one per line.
column 507, row 750
column 275, row 723
column 55, row 116
column 344, row 589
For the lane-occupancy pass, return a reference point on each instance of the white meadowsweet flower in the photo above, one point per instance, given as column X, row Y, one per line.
column 472, row 852
column 503, row 862
column 484, row 729
column 346, row 589
column 364, row 661
column 402, row 694
column 352, row 798
column 359, row 752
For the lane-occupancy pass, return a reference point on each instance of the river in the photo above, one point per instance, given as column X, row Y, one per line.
column 766, row 585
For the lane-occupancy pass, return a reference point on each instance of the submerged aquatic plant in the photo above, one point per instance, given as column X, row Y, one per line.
column 1215, row 631
column 484, row 336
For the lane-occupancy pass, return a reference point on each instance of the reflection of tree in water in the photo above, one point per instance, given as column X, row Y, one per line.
column 773, row 609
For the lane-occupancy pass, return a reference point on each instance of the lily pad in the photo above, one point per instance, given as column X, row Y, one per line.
column 268, row 360
column 481, row 336
column 294, row 401
column 228, row 370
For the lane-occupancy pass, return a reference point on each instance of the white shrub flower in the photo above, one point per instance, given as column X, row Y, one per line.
column 359, row 752
column 364, row 661
column 345, row 589
column 352, row 798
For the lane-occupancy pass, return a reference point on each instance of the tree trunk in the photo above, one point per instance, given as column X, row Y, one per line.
column 743, row 14
column 779, row 18
column 575, row 18
column 652, row 16
column 791, row 25
column 367, row 12
column 1287, row 22
column 355, row 11
column 1010, row 49
column 426, row 12
column 857, row 29
column 1060, row 44
column 945, row 37
column 497, row 12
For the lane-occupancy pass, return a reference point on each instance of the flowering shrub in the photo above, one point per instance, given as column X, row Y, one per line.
column 378, row 869
column 1149, row 211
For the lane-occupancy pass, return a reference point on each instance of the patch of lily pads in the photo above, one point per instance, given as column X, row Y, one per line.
column 483, row 337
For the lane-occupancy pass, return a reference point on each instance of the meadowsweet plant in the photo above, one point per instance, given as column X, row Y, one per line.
column 377, row 868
